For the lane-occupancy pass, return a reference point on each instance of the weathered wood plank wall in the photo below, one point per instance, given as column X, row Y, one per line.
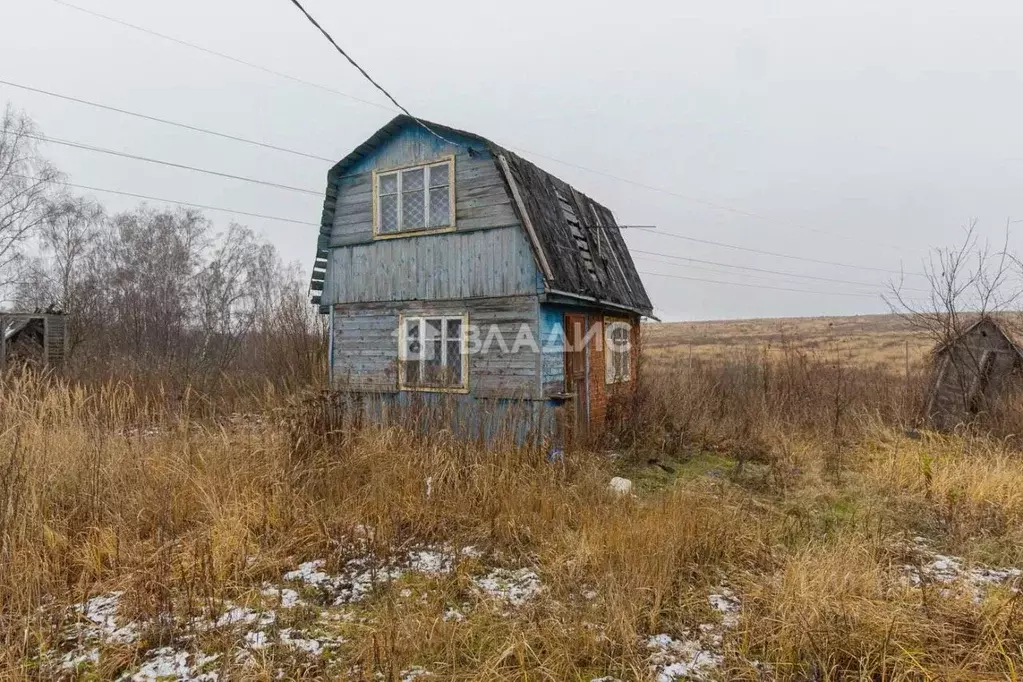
column 959, row 387
column 454, row 265
column 487, row 254
column 366, row 344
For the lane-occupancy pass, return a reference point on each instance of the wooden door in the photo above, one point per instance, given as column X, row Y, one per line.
column 575, row 371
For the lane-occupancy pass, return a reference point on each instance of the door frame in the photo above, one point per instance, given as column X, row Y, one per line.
column 577, row 378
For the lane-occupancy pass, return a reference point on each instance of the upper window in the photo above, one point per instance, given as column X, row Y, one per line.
column 432, row 353
column 618, row 350
column 414, row 199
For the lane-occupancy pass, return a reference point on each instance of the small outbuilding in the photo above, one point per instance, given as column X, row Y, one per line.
column 972, row 372
column 35, row 338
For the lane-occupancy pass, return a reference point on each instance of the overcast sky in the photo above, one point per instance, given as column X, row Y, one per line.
column 863, row 133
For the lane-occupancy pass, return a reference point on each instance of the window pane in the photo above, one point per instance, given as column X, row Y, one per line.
column 454, row 330
column 412, row 211
column 411, row 179
column 413, row 344
column 388, row 183
column 439, row 175
column 440, row 207
column 454, row 368
column 433, row 367
column 432, row 341
column 621, row 365
column 412, row 351
column 412, row 373
column 388, row 214
column 433, row 327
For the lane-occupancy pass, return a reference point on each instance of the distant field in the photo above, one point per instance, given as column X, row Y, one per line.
column 864, row 340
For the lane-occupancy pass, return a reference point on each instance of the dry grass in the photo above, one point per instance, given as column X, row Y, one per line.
column 860, row 341
column 809, row 517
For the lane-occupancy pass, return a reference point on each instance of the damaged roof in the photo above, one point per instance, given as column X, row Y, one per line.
column 577, row 242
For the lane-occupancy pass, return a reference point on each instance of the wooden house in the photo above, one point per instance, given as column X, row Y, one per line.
column 453, row 269
column 972, row 372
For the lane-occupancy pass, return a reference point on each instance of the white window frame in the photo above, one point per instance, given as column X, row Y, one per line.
column 398, row 172
column 611, row 375
column 421, row 318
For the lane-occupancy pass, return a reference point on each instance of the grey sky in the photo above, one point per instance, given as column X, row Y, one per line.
column 865, row 132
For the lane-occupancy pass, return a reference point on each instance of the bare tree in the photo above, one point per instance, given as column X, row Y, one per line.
column 147, row 262
column 68, row 234
column 26, row 181
column 965, row 283
column 226, row 295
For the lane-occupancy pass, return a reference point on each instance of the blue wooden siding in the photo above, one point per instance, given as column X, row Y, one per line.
column 552, row 339
column 365, row 344
column 487, row 255
column 454, row 265
column 492, row 419
column 481, row 199
column 414, row 144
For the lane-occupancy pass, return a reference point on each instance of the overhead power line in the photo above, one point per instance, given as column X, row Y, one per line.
column 777, row 254
column 635, row 183
column 171, row 164
column 236, row 60
column 696, row 270
column 752, row 269
column 365, row 75
column 165, row 121
column 758, row 286
column 190, row 204
column 704, row 202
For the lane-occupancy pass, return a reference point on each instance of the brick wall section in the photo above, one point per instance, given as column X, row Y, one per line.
column 636, row 338
column 598, row 392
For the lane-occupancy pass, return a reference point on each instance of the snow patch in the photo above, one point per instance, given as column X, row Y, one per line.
column 309, row 573
column 414, row 673
column 72, row 660
column 673, row 659
column 101, row 613
column 241, row 615
column 515, row 587
column 168, row 663
column 725, row 603
column 950, row 571
column 287, row 597
column 453, row 615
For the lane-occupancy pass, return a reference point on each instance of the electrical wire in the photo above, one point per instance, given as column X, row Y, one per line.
column 777, row 254
column 78, row 145
column 758, row 286
column 695, row 270
column 635, row 183
column 365, row 75
column 165, row 121
column 171, row 164
column 752, row 269
column 221, row 55
column 189, row 204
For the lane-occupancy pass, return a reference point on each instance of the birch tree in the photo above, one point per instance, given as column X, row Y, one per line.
column 26, row 183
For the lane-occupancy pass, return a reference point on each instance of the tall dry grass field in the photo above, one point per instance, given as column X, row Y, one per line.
column 784, row 526
column 859, row 340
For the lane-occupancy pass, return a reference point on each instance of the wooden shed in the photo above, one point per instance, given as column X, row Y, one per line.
column 455, row 271
column 972, row 372
column 36, row 337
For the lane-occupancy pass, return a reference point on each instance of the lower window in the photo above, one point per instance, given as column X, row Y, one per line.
column 618, row 350
column 432, row 353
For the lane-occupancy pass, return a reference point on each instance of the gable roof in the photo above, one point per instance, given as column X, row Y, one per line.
column 1010, row 337
column 577, row 242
